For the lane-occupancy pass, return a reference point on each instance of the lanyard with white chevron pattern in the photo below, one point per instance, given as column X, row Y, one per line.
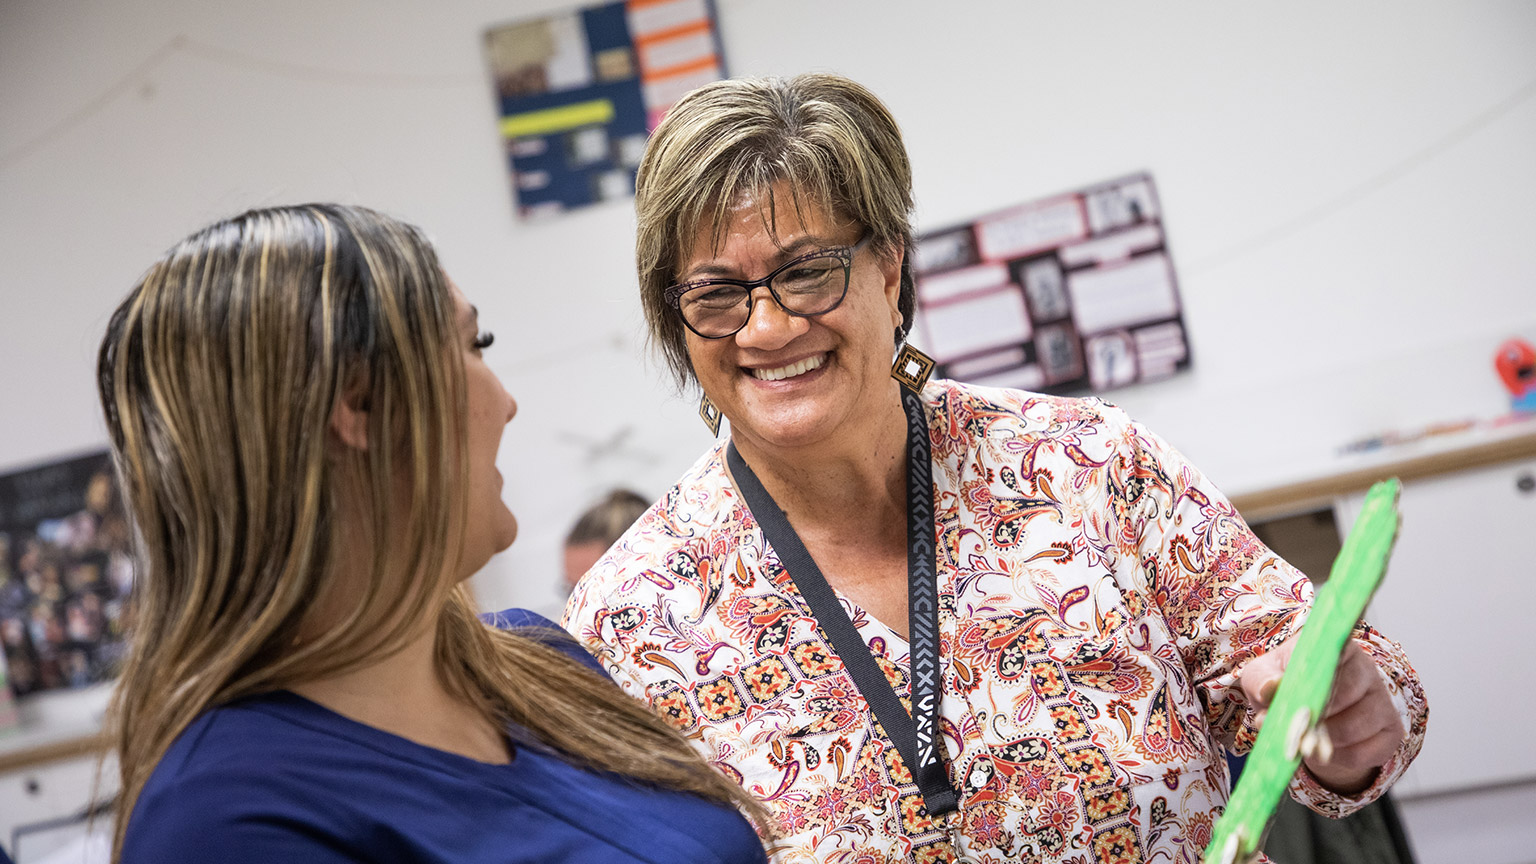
column 916, row 736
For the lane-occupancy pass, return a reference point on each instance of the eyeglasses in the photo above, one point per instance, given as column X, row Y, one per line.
column 807, row 286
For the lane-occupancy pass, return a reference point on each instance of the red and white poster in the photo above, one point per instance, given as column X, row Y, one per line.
column 1070, row 293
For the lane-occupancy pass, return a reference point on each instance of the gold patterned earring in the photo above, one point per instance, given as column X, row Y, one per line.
column 912, row 367
column 709, row 414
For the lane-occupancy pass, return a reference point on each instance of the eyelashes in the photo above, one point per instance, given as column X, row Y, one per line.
column 484, row 340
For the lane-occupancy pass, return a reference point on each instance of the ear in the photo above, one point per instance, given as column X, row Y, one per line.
column 349, row 419
column 890, row 271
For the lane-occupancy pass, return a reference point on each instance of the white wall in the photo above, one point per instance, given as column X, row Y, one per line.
column 1348, row 191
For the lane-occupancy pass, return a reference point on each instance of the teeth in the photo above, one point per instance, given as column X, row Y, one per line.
column 791, row 370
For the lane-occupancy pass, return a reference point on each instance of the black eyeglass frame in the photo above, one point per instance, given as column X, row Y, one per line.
column 674, row 296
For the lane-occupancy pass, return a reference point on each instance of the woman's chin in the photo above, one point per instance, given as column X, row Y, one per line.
column 783, row 436
column 479, row 551
column 803, row 423
column 508, row 532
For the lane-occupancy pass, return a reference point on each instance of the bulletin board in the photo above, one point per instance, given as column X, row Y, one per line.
column 65, row 573
column 1071, row 293
column 10, row 718
column 580, row 91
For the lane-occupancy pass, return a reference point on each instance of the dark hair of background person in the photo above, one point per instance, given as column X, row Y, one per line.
column 598, row 528
column 607, row 520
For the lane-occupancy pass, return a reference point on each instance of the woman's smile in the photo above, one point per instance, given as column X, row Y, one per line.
column 794, row 369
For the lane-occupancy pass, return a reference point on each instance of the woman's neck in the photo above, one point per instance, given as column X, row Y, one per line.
column 849, row 485
column 403, row 693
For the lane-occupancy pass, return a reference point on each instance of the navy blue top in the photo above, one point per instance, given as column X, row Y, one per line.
column 280, row 778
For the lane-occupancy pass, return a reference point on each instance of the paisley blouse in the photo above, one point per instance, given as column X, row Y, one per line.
column 1098, row 599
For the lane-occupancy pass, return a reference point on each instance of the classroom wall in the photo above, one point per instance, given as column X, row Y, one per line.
column 1347, row 192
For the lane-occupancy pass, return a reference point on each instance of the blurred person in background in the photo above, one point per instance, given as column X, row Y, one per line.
column 596, row 529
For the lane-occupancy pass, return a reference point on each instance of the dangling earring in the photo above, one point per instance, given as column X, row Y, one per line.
column 912, row 367
column 709, row 414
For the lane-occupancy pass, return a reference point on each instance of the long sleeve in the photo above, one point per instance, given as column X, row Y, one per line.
column 1229, row 598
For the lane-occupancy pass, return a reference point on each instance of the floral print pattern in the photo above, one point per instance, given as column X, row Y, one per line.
column 1098, row 599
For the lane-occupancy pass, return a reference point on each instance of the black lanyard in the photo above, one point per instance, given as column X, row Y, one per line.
column 916, row 736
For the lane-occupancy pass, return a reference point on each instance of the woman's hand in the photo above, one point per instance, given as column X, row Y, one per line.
column 1359, row 719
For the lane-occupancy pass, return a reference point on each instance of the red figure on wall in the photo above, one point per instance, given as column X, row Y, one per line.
column 1516, row 362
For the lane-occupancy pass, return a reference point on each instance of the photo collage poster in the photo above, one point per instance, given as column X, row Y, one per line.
column 580, row 91
column 65, row 571
column 1068, row 294
column 10, row 718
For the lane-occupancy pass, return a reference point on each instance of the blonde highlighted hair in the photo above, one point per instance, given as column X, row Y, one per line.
column 830, row 140
column 218, row 376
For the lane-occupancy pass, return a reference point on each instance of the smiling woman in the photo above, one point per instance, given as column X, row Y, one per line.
column 799, row 366
column 307, row 431
column 927, row 621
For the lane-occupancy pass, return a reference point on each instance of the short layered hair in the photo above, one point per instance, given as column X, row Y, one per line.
column 828, row 139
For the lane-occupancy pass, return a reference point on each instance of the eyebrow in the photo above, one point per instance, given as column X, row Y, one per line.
column 472, row 318
column 785, row 253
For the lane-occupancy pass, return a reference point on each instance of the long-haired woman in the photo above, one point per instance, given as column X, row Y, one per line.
column 306, row 432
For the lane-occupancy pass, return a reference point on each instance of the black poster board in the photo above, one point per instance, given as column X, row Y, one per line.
column 65, row 571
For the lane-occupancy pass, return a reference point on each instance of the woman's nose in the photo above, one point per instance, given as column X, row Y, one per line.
column 768, row 325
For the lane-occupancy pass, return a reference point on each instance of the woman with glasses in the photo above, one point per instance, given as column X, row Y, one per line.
column 306, row 429
column 922, row 620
